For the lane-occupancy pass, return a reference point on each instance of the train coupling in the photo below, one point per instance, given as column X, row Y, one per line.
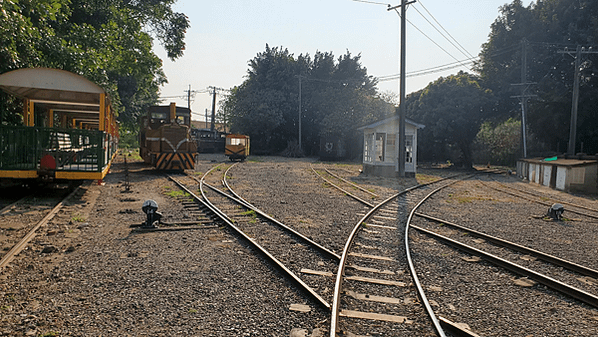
column 150, row 208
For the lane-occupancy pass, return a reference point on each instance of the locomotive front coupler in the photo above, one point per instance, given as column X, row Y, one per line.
column 150, row 208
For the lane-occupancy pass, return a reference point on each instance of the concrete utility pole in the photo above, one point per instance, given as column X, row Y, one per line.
column 214, row 90
column 573, row 126
column 402, row 144
column 524, row 97
column 300, row 148
column 189, row 94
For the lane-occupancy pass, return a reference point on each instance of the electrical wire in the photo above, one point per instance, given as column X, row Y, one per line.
column 429, row 38
column 459, row 48
column 371, row 2
column 449, row 34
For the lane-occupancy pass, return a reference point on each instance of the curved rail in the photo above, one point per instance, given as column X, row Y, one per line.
column 522, row 249
column 235, row 197
column 341, row 189
column 351, row 183
column 339, row 277
column 546, row 203
column 541, row 278
column 292, row 276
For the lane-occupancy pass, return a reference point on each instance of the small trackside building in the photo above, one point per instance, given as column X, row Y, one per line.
column 569, row 175
column 381, row 147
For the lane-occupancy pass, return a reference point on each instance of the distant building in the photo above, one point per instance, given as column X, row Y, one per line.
column 381, row 147
column 203, row 125
column 569, row 175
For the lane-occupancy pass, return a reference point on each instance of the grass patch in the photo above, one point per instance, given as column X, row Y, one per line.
column 49, row 334
column 77, row 217
column 178, row 194
column 252, row 214
column 424, row 178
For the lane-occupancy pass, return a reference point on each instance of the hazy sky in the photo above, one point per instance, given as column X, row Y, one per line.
column 226, row 34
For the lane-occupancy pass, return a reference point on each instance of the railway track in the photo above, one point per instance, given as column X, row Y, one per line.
column 23, row 218
column 365, row 196
column 299, row 258
column 377, row 290
column 296, row 256
column 543, row 200
column 562, row 273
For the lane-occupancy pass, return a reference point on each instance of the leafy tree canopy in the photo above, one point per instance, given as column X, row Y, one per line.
column 542, row 31
column 107, row 41
column 337, row 96
column 452, row 108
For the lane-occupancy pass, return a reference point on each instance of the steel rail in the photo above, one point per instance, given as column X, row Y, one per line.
column 535, row 195
column 456, row 329
column 514, row 246
column 341, row 189
column 6, row 208
column 539, row 202
column 16, row 249
column 540, row 278
column 238, row 199
column 349, row 243
column 342, row 263
column 292, row 276
column 351, row 183
column 416, row 281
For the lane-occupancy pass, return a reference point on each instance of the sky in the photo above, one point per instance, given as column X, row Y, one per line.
column 226, row 34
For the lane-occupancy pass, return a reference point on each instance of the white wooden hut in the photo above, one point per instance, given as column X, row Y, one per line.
column 381, row 147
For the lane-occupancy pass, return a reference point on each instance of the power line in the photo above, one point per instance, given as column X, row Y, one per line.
column 459, row 48
column 423, row 72
column 429, row 38
column 372, row 2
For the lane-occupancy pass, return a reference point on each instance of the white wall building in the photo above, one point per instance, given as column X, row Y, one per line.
column 381, row 147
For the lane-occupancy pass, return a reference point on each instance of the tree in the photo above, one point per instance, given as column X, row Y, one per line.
column 452, row 108
column 501, row 143
column 336, row 97
column 548, row 26
column 106, row 41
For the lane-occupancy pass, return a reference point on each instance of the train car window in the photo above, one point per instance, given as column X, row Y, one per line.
column 236, row 141
column 159, row 115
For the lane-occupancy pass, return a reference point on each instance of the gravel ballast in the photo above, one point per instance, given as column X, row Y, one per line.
column 105, row 279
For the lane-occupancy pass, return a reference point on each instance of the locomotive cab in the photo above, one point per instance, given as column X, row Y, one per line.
column 164, row 138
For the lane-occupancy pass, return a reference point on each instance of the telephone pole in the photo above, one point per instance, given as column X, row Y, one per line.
column 189, row 94
column 524, row 96
column 214, row 90
column 573, row 126
column 300, row 77
column 401, row 158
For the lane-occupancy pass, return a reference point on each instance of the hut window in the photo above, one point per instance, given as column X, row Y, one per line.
column 380, row 146
column 409, row 149
column 368, row 147
column 391, row 139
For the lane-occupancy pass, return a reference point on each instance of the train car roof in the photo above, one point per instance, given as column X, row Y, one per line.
column 55, row 88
